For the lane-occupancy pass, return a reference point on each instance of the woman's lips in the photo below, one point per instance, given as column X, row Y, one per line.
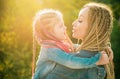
column 73, row 30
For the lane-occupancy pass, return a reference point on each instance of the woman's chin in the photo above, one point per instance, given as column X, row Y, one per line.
column 73, row 36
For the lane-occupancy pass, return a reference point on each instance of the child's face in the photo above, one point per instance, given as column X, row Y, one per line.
column 81, row 24
column 59, row 30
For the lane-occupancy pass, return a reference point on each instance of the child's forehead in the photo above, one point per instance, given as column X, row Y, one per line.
column 50, row 15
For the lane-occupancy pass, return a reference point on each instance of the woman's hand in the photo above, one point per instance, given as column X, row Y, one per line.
column 104, row 59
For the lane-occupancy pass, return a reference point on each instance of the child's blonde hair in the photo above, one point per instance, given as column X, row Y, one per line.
column 44, row 22
column 100, row 20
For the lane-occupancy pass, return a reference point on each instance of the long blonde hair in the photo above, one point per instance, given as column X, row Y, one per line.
column 100, row 20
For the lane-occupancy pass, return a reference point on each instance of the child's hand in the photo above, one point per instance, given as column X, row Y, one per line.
column 111, row 56
column 103, row 59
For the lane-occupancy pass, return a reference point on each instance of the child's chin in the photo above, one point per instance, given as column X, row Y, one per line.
column 65, row 37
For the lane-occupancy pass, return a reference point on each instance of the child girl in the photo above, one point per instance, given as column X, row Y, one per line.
column 50, row 32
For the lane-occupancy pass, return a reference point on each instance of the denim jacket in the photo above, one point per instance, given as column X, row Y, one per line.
column 49, row 57
column 62, row 72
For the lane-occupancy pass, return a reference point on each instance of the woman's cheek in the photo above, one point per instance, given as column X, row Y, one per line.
column 76, row 33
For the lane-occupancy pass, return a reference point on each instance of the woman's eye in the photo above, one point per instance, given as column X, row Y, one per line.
column 79, row 21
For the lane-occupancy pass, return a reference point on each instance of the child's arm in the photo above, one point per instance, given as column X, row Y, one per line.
column 103, row 59
column 70, row 61
column 111, row 55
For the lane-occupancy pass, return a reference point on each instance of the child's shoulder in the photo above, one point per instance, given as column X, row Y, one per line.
column 50, row 52
column 54, row 49
column 51, row 49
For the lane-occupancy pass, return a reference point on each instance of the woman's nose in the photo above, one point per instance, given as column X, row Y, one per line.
column 74, row 23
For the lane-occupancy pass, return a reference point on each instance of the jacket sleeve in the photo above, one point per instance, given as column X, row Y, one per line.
column 71, row 61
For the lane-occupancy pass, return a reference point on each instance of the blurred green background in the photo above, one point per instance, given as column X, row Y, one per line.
column 16, row 18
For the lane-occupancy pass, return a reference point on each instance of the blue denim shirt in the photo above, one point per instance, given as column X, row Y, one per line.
column 49, row 57
column 62, row 72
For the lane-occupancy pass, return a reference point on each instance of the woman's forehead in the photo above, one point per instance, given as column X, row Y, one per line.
column 83, row 12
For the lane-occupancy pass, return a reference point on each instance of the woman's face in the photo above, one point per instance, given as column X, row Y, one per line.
column 81, row 24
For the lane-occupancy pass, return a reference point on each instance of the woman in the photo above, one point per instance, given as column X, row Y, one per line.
column 93, row 27
column 55, row 47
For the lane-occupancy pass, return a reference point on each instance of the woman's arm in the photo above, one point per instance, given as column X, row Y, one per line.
column 71, row 61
